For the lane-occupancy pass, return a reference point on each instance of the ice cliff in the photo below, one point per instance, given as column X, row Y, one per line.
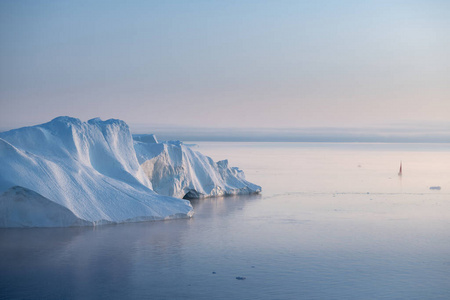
column 176, row 170
column 67, row 172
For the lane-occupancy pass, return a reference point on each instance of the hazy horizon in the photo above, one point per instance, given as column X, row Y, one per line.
column 431, row 132
column 227, row 64
column 393, row 134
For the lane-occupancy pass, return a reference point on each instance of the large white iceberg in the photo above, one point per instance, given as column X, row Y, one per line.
column 84, row 172
column 174, row 169
column 22, row 207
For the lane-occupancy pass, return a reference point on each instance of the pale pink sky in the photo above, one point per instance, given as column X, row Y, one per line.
column 225, row 64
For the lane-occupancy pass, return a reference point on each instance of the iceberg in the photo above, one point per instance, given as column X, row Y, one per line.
column 176, row 170
column 22, row 207
column 72, row 173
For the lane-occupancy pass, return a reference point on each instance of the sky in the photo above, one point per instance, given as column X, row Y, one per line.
column 279, row 66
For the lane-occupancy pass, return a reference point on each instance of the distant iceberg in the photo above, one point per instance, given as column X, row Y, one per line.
column 145, row 138
column 71, row 173
column 436, row 188
column 174, row 169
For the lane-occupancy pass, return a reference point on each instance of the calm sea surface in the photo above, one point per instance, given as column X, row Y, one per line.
column 334, row 221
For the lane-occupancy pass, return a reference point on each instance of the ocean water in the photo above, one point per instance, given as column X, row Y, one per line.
column 334, row 221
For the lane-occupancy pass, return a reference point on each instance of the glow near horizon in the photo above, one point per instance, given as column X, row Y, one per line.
column 226, row 63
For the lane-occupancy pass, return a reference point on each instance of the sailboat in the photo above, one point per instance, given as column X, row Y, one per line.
column 400, row 171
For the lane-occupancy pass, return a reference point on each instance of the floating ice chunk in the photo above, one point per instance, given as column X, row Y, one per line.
column 89, row 168
column 21, row 207
column 438, row 188
column 176, row 170
column 145, row 138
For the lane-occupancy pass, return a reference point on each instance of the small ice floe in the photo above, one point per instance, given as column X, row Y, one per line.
column 437, row 188
column 240, row 278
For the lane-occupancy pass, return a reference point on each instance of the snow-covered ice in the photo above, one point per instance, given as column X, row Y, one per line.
column 174, row 169
column 145, row 138
column 22, row 207
column 84, row 171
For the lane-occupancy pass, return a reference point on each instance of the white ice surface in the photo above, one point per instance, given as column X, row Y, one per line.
column 21, row 207
column 90, row 168
column 176, row 170
column 145, row 138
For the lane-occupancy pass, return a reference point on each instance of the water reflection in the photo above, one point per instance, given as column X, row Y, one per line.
column 323, row 229
column 117, row 260
column 224, row 206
